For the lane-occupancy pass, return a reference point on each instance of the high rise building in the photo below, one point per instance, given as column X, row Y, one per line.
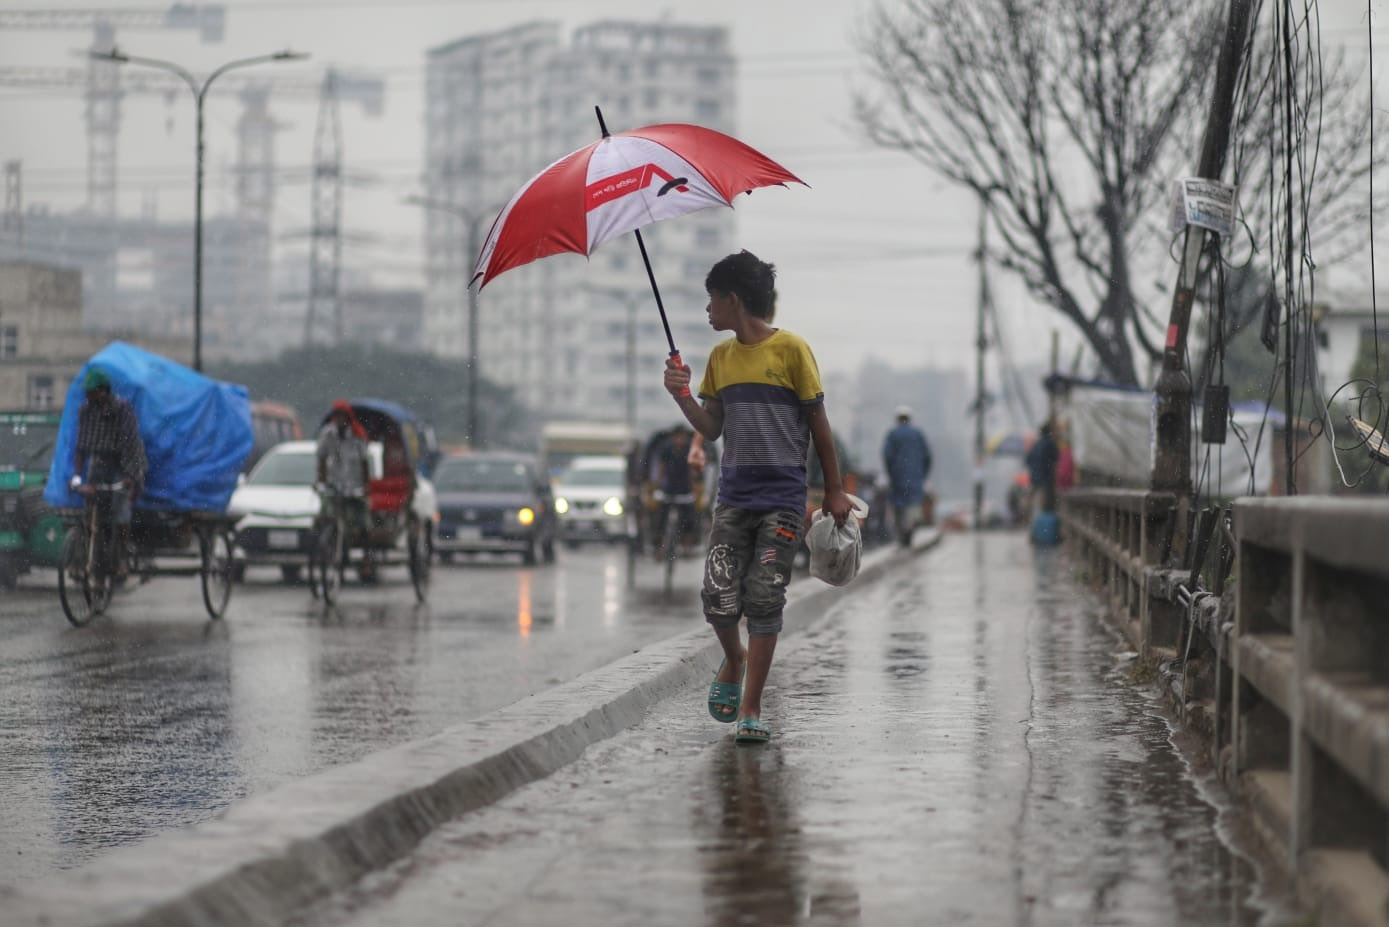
column 500, row 107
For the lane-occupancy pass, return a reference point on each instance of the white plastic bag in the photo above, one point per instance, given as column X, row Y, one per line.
column 835, row 550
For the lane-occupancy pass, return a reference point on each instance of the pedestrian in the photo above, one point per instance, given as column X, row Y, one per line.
column 761, row 391
column 109, row 450
column 907, row 460
column 675, row 489
column 1041, row 462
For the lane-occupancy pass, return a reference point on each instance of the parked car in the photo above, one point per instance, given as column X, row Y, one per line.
column 494, row 501
column 591, row 500
column 276, row 506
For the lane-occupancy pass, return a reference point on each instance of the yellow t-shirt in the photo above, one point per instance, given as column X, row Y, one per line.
column 765, row 389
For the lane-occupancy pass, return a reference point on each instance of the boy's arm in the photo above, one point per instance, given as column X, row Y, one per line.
column 836, row 503
column 707, row 419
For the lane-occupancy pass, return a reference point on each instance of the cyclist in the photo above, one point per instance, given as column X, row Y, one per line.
column 109, row 451
column 343, row 471
column 675, row 489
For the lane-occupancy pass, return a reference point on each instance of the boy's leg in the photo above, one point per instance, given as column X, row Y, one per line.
column 730, row 549
column 764, row 598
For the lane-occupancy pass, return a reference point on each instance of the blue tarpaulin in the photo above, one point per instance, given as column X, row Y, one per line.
column 196, row 430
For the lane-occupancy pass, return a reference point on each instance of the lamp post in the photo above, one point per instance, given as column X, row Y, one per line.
column 630, row 299
column 199, row 94
column 473, row 219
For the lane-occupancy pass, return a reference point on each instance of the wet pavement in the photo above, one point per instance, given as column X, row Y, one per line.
column 154, row 717
column 960, row 743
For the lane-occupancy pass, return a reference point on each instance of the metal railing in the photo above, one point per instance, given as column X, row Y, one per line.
column 1273, row 640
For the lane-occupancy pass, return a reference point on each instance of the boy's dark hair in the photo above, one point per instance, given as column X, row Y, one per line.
column 748, row 277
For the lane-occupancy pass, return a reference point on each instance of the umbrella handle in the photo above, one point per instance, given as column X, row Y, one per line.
column 675, row 356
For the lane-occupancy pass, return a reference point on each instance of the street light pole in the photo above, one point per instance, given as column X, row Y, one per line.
column 474, row 245
column 199, row 94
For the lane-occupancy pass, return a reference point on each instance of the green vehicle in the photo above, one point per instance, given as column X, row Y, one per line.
column 31, row 534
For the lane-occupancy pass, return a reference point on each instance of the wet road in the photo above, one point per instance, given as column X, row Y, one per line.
column 956, row 745
column 155, row 717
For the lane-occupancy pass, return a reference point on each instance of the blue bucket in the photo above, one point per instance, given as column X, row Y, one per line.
column 1046, row 528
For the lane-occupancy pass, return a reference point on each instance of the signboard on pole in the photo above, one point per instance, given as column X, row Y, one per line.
column 1208, row 204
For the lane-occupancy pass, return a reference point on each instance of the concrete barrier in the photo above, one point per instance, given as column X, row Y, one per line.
column 1285, row 669
column 270, row 856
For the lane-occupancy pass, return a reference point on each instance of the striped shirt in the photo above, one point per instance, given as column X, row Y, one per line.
column 766, row 390
column 110, row 434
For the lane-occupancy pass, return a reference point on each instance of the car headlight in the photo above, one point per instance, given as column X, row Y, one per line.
column 526, row 516
column 561, row 505
column 613, row 506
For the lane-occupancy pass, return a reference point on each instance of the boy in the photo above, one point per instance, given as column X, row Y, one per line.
column 762, row 392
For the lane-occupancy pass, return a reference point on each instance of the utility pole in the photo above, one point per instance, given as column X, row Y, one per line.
column 1172, row 450
column 981, row 344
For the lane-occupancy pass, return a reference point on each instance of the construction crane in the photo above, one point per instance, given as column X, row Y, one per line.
column 325, row 230
column 256, row 127
column 104, row 83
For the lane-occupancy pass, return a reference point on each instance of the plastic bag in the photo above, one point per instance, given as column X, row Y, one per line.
column 836, row 550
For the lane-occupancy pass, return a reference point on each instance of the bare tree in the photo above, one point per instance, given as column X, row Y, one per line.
column 1070, row 119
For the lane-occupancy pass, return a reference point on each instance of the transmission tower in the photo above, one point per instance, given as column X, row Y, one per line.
column 14, row 203
column 325, row 238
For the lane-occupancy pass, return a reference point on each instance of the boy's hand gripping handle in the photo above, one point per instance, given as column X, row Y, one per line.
column 675, row 355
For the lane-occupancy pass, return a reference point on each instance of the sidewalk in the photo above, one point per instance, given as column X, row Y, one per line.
column 954, row 745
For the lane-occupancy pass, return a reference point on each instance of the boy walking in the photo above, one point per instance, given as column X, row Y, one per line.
column 761, row 392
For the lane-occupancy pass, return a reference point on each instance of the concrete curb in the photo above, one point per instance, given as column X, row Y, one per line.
column 271, row 855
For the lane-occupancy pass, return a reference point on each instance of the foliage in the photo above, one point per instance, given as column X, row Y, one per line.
column 435, row 388
column 1069, row 119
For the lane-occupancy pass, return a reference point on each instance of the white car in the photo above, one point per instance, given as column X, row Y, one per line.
column 276, row 506
column 591, row 500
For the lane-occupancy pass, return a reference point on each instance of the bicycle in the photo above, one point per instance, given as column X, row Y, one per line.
column 328, row 557
column 90, row 558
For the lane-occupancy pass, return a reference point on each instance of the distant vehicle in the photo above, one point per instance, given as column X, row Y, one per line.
column 272, row 423
column 494, row 501
column 562, row 442
column 31, row 533
column 276, row 506
column 591, row 499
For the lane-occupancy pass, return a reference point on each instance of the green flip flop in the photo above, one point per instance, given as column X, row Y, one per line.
column 752, row 731
column 726, row 695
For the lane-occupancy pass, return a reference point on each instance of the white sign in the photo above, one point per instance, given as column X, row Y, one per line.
column 1208, row 204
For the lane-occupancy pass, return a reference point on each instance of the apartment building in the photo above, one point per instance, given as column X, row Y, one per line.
column 500, row 107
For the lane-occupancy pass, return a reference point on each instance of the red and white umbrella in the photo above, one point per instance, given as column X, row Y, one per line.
column 617, row 185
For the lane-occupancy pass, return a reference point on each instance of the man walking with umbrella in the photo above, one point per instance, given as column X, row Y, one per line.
column 761, row 392
column 907, row 461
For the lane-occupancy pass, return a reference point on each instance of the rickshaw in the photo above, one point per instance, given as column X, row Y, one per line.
column 659, row 534
column 400, row 507
column 196, row 432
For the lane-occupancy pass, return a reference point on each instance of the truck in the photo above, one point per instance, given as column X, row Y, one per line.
column 562, row 441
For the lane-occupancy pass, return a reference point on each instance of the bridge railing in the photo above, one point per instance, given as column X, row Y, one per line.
column 1283, row 663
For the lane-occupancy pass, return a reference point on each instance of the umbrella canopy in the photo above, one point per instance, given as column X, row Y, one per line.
column 619, row 184
column 1011, row 443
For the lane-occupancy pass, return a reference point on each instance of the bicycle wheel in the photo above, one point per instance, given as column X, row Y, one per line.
column 216, row 551
column 418, row 544
column 670, row 539
column 72, row 579
column 330, row 565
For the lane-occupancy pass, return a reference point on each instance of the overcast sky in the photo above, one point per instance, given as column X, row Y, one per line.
column 874, row 259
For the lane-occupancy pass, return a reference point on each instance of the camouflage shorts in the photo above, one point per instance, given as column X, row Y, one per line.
column 748, row 567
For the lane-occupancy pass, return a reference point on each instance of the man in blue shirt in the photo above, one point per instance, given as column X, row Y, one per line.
column 907, row 462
